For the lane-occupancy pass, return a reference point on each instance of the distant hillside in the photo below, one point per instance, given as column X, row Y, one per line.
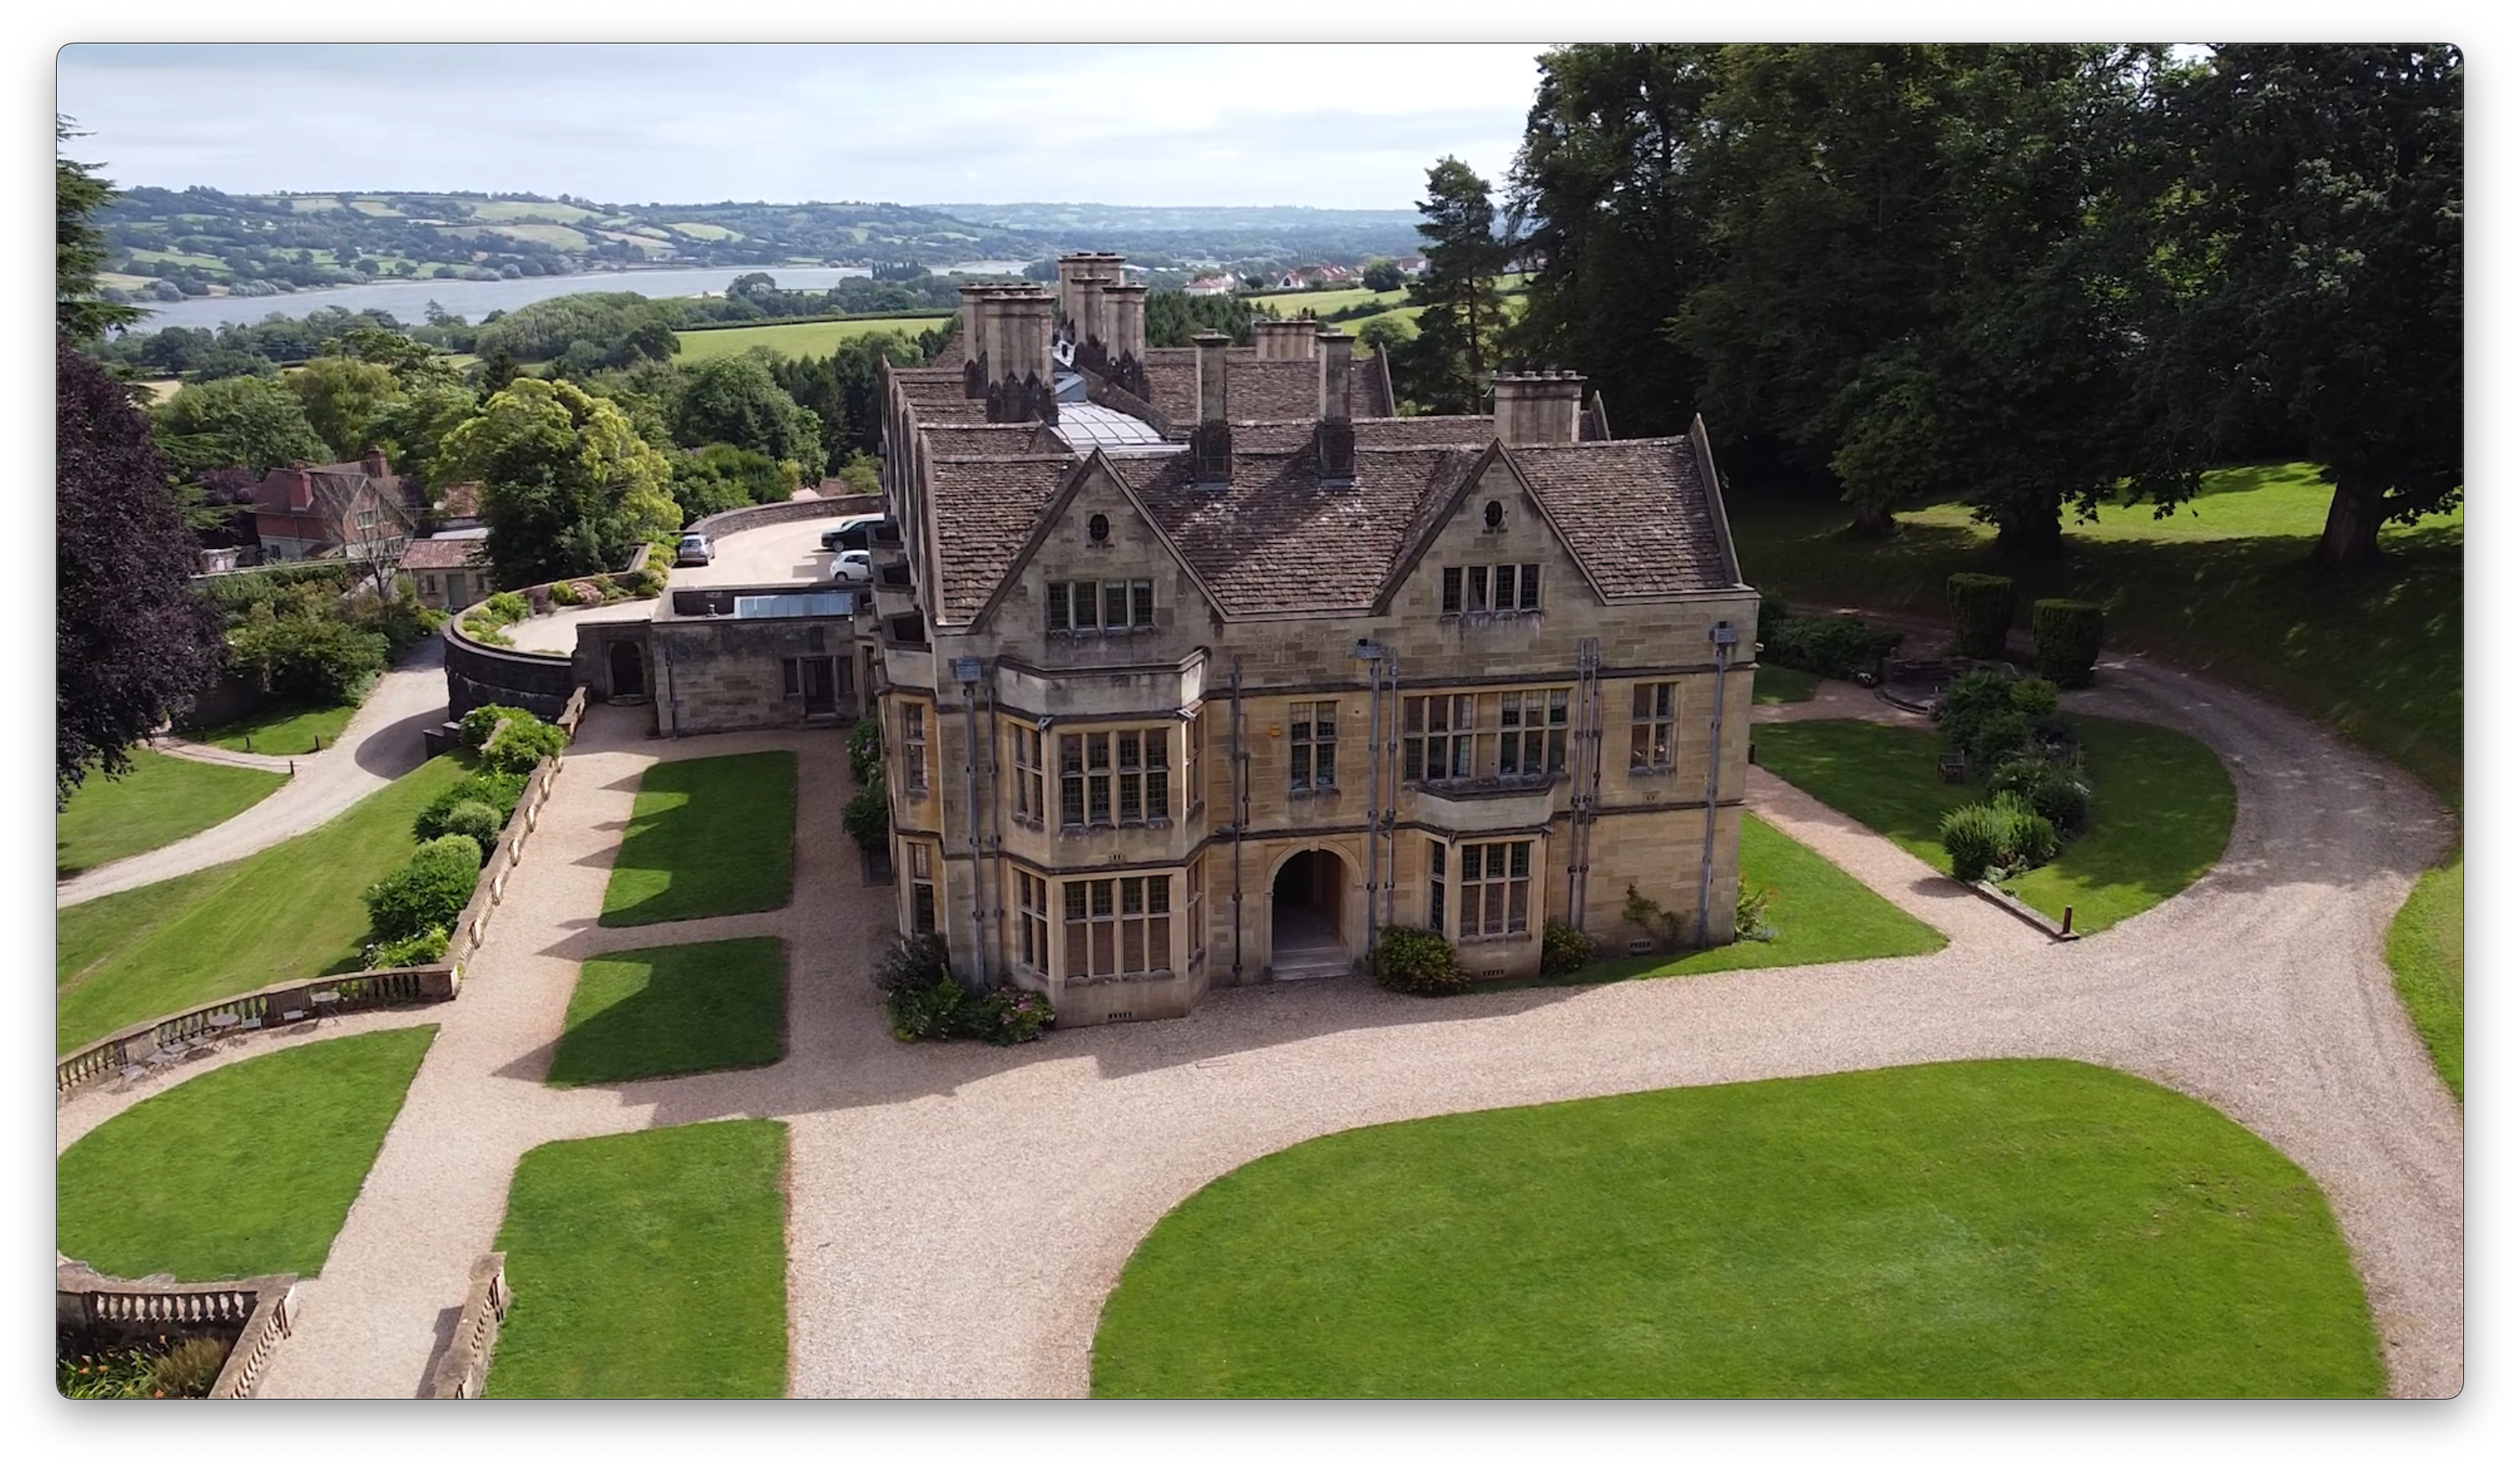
column 166, row 244
column 162, row 242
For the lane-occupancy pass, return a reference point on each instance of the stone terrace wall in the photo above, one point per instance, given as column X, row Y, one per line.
column 754, row 516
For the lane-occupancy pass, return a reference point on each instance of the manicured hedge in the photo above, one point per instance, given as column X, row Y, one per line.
column 2066, row 640
column 1981, row 613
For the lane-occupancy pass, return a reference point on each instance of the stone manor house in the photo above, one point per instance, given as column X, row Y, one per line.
column 1197, row 666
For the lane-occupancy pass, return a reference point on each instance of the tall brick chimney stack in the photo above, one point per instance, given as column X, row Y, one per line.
column 1211, row 443
column 1127, row 308
column 1284, row 341
column 1334, row 437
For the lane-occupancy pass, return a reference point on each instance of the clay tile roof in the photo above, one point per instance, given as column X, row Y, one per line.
column 984, row 510
column 1633, row 512
column 436, row 554
column 1274, row 541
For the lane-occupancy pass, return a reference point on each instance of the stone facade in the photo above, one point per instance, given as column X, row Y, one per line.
column 1149, row 733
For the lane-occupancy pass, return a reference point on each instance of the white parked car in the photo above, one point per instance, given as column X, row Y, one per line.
column 694, row 550
column 853, row 568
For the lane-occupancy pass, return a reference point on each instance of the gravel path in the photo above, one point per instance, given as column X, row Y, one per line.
column 1027, row 1175
column 380, row 742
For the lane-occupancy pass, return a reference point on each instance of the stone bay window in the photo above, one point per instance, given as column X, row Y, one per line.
column 1516, row 735
column 1116, row 927
column 1115, row 777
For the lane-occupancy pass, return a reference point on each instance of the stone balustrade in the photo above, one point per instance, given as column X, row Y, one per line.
column 466, row 1368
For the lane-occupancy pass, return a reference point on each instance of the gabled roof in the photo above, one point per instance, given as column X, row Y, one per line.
column 1637, row 514
column 442, row 554
column 985, row 510
column 1274, row 541
column 1255, row 390
column 1097, row 465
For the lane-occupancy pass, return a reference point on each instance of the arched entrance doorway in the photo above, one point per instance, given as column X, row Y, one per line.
column 1307, row 900
column 629, row 670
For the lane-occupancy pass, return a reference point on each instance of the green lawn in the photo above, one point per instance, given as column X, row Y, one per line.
column 1821, row 916
column 289, row 911
column 2222, row 586
column 1772, row 684
column 1973, row 1229
column 707, row 837
column 244, row 1170
column 796, row 339
column 162, row 800
column 649, row 1264
column 2428, row 955
column 2161, row 807
column 280, row 730
column 647, row 1012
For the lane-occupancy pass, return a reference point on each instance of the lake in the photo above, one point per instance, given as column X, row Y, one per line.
column 409, row 300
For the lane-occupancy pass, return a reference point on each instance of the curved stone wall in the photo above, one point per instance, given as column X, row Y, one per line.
column 754, row 516
column 478, row 674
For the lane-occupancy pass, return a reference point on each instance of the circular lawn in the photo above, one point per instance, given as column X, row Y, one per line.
column 1986, row 1228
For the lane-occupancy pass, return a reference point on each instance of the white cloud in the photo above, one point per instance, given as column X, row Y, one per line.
column 1353, row 125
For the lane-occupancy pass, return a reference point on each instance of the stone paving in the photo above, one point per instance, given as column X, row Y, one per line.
column 1026, row 1176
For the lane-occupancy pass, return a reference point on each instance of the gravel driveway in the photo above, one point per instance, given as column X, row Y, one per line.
column 959, row 1214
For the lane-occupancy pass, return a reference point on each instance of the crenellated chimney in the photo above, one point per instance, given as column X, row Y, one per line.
column 1211, row 443
column 1126, row 306
column 1284, row 341
column 1538, row 408
column 1334, row 437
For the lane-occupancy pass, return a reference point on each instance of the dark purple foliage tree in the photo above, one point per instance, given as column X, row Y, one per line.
column 132, row 644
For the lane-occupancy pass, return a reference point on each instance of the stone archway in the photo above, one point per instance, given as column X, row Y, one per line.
column 1307, row 913
column 628, row 669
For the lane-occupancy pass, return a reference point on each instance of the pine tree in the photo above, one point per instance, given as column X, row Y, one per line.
column 1445, row 367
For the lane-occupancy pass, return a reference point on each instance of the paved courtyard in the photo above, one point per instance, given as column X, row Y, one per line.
column 1029, row 1175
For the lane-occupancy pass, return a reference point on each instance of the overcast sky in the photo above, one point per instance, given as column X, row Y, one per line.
column 1331, row 126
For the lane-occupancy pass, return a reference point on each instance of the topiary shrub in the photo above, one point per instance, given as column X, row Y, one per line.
column 492, row 789
column 524, row 744
column 1981, row 613
column 1417, row 962
column 475, row 728
column 2035, row 698
column 427, row 892
column 2003, row 837
column 1563, row 949
column 867, row 817
column 866, row 749
column 1976, row 717
column 426, row 947
column 2051, row 790
column 477, row 820
column 2066, row 640
column 913, row 961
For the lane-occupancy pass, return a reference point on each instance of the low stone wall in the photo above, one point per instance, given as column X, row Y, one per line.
column 478, row 674
column 465, row 1369
column 259, row 1311
column 754, row 516
column 176, row 1037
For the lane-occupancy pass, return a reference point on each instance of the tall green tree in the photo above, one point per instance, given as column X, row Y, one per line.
column 735, row 400
column 1445, row 366
column 342, row 396
column 79, row 313
column 1609, row 185
column 2312, row 234
column 132, row 644
column 567, row 485
column 250, row 424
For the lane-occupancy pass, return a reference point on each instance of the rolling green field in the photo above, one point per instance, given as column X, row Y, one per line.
column 244, row 1170
column 796, row 339
column 2161, row 807
column 291, row 910
column 649, row 1264
column 1973, row 1229
column 502, row 210
column 162, row 800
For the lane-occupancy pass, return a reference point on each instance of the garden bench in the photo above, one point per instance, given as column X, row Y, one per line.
column 1954, row 768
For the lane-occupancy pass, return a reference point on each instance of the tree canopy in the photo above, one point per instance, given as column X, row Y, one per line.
column 1444, row 367
column 80, row 312
column 132, row 645
column 250, row 424
column 735, row 400
column 568, row 487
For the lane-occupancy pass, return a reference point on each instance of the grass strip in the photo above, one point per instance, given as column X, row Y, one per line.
column 2428, row 956
column 673, row 1012
column 707, row 837
column 162, row 800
